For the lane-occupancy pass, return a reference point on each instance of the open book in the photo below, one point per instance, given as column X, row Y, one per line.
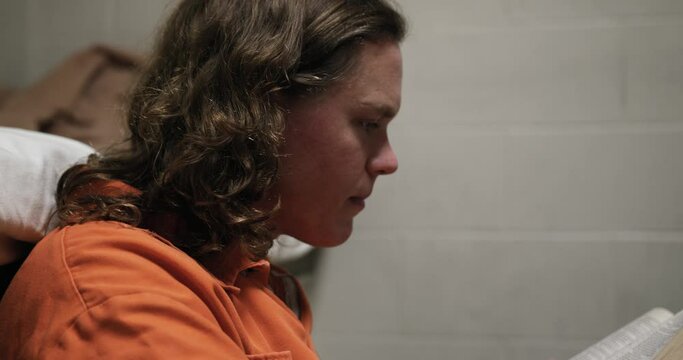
column 640, row 339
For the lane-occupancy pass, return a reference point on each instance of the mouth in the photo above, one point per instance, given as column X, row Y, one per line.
column 358, row 201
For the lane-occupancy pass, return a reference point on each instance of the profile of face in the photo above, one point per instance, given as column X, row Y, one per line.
column 336, row 145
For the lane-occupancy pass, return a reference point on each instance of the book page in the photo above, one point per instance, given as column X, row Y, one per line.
column 648, row 348
column 630, row 333
column 673, row 350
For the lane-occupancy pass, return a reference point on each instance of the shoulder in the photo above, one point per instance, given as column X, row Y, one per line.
column 104, row 259
column 108, row 238
column 109, row 289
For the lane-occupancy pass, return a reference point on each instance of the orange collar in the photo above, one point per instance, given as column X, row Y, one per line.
column 225, row 266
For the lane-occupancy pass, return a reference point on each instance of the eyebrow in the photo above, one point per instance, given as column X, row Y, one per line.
column 383, row 109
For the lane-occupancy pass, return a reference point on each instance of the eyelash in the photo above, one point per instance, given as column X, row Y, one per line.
column 369, row 125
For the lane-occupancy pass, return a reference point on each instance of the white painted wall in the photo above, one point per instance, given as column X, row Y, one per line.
column 539, row 201
column 41, row 33
column 12, row 43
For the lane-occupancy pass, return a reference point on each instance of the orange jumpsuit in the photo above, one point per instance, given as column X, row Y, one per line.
column 109, row 290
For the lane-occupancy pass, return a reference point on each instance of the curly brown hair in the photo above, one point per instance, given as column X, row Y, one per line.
column 206, row 118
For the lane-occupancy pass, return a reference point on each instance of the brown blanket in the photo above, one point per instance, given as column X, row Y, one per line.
column 82, row 98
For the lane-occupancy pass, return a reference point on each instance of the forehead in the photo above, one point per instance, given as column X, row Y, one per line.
column 375, row 80
column 372, row 88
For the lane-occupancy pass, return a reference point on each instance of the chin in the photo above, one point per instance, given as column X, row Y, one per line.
column 325, row 242
column 325, row 238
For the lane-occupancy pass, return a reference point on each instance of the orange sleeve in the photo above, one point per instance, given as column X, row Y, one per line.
column 143, row 325
column 105, row 290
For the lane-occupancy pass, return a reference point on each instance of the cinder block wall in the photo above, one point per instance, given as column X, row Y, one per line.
column 538, row 204
column 539, row 201
column 36, row 35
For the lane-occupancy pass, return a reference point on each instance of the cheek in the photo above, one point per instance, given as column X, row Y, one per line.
column 322, row 149
column 322, row 171
column 323, row 154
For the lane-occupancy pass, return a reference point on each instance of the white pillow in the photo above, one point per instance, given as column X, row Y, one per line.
column 286, row 249
column 30, row 166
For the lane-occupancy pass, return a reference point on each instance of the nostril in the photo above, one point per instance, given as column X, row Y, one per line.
column 388, row 167
column 384, row 163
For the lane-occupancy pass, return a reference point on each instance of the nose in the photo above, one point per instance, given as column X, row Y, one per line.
column 385, row 162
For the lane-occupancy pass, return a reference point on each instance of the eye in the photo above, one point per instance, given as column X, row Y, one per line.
column 369, row 125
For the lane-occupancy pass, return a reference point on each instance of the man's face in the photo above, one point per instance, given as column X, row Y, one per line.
column 336, row 145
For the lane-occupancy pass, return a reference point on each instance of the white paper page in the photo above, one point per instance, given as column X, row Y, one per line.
column 648, row 348
column 634, row 331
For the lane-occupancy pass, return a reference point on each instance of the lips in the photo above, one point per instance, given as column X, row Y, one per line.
column 358, row 201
